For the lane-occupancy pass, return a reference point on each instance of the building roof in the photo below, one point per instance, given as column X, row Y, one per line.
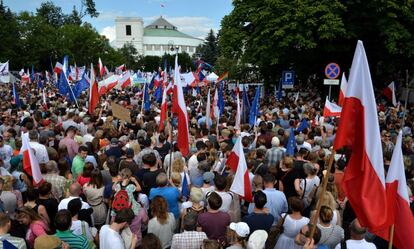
column 161, row 23
column 166, row 33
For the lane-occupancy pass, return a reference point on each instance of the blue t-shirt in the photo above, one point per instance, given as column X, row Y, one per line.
column 172, row 196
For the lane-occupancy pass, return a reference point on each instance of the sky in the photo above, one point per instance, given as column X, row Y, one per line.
column 193, row 17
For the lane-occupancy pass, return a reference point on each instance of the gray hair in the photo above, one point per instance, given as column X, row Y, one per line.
column 52, row 167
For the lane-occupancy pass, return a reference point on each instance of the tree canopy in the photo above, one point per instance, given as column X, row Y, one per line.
column 271, row 36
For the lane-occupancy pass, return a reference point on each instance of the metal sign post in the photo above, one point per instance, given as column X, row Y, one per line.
column 332, row 71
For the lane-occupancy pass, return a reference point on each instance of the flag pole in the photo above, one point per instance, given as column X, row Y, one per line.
column 323, row 190
column 391, row 237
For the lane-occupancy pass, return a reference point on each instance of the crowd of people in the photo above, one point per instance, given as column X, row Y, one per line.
column 108, row 183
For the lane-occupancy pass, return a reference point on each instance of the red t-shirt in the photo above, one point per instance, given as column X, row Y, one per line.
column 338, row 176
column 83, row 180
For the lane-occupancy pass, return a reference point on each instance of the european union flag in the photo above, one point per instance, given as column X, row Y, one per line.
column 147, row 104
column 246, row 105
column 185, row 191
column 254, row 110
column 16, row 96
column 80, row 86
column 158, row 94
column 291, row 143
column 220, row 101
column 303, row 125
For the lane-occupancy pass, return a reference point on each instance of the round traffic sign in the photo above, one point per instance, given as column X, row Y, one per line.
column 332, row 71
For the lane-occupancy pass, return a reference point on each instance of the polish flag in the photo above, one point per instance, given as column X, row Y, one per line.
column 331, row 109
column 30, row 163
column 389, row 92
column 342, row 91
column 237, row 162
column 107, row 84
column 101, row 67
column 163, row 114
column 44, row 99
column 364, row 181
column 170, row 88
column 183, row 135
column 93, row 92
column 58, row 68
column 398, row 202
column 124, row 80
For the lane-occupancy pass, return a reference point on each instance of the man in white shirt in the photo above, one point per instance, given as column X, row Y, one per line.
column 110, row 237
column 89, row 136
column 6, row 152
column 193, row 162
column 40, row 149
column 74, row 191
column 220, row 182
column 357, row 240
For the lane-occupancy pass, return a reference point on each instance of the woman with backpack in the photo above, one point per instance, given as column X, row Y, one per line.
column 124, row 198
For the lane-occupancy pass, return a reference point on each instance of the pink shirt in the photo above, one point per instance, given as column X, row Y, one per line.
column 35, row 230
column 71, row 145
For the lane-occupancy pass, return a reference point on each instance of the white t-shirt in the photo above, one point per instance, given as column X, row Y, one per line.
column 357, row 244
column 40, row 152
column 110, row 239
column 227, row 200
column 192, row 162
column 6, row 152
column 64, row 203
column 76, row 229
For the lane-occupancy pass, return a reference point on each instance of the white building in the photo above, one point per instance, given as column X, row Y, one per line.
column 155, row 39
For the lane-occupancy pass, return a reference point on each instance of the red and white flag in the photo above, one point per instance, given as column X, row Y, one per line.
column 58, row 68
column 101, row 67
column 183, row 135
column 237, row 162
column 30, row 163
column 93, row 92
column 107, row 84
column 163, row 114
column 389, row 92
column 331, row 109
column 215, row 114
column 364, row 181
column 342, row 91
column 398, row 203
column 124, row 80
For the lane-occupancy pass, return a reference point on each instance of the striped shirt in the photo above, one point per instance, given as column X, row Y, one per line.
column 74, row 241
column 16, row 241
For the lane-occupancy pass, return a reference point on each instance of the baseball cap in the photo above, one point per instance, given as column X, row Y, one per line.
column 208, row 176
column 241, row 228
column 257, row 240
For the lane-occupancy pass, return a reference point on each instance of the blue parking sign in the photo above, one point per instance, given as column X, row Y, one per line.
column 288, row 79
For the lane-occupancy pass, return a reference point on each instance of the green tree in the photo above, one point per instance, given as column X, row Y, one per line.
column 209, row 49
column 73, row 18
column 9, row 44
column 130, row 54
column 150, row 63
column 278, row 35
column 52, row 13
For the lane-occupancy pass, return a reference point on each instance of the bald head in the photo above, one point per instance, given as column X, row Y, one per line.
column 357, row 231
column 75, row 189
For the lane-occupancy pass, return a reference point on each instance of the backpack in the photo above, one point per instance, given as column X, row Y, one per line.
column 121, row 200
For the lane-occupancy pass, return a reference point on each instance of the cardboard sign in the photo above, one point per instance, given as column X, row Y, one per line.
column 120, row 112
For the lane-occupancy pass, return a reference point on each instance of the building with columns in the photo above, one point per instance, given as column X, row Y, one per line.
column 155, row 39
